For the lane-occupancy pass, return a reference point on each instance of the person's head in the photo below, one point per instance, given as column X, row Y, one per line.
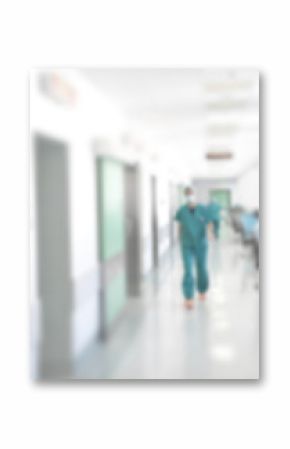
column 190, row 196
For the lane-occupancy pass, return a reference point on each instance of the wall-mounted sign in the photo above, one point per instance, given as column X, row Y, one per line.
column 57, row 88
column 219, row 155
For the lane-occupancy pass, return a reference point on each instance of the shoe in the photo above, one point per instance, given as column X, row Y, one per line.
column 189, row 304
column 202, row 296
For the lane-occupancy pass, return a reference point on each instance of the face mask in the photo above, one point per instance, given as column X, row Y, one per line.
column 190, row 199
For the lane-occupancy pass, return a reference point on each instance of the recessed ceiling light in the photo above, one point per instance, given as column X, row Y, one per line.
column 222, row 86
column 221, row 129
column 227, row 105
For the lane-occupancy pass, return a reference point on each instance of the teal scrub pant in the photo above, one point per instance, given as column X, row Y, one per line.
column 198, row 256
column 216, row 228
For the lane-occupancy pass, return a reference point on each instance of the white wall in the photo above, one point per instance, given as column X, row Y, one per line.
column 246, row 192
column 145, row 219
column 163, row 213
column 77, row 125
column 163, row 183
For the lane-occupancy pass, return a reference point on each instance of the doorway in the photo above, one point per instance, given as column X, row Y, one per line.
column 53, row 255
column 132, row 223
column 222, row 197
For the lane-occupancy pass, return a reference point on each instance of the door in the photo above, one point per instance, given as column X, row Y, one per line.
column 53, row 255
column 132, row 213
column 112, row 241
column 222, row 197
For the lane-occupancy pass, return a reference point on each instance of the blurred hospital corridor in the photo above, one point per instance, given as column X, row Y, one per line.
column 158, row 339
column 127, row 167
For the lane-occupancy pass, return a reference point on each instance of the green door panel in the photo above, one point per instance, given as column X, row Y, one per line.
column 113, row 208
column 222, row 197
column 111, row 216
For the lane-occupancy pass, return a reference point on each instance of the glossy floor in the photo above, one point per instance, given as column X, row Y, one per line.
column 158, row 339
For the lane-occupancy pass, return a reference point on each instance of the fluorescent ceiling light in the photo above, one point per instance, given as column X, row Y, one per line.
column 228, row 105
column 224, row 86
column 222, row 129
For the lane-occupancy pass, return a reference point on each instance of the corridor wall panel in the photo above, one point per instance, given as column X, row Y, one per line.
column 163, row 213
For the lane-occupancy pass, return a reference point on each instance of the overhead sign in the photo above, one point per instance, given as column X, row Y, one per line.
column 57, row 88
column 219, row 155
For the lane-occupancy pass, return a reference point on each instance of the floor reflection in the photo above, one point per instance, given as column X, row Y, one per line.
column 158, row 339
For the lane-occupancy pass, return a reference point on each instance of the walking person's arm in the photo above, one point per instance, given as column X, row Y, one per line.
column 210, row 231
column 179, row 231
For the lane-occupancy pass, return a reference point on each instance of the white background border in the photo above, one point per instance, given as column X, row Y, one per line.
column 153, row 33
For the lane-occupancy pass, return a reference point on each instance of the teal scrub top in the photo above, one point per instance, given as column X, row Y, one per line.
column 214, row 211
column 193, row 225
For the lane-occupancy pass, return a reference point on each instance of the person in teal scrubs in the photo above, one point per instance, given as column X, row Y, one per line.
column 214, row 210
column 194, row 221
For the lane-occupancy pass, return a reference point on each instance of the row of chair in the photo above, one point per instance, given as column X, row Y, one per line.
column 247, row 225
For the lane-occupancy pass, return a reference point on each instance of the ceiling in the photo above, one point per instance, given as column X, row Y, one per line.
column 180, row 114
